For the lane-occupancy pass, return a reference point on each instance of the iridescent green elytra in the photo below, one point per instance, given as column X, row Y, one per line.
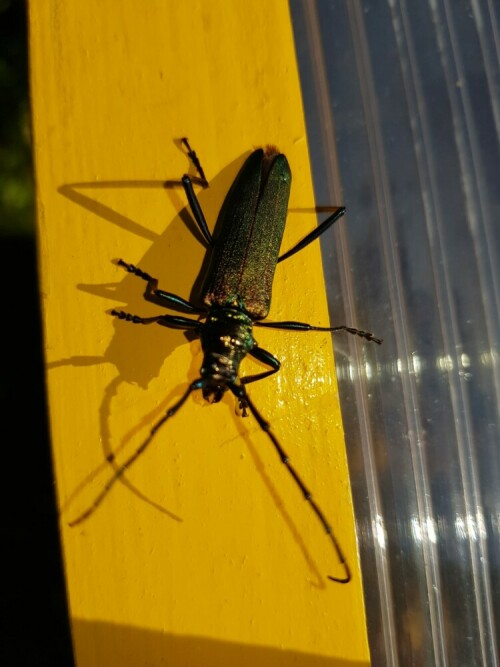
column 248, row 234
column 236, row 296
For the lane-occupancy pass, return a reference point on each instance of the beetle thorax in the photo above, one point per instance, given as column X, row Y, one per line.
column 226, row 337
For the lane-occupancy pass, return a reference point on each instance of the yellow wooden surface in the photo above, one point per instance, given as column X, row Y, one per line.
column 206, row 553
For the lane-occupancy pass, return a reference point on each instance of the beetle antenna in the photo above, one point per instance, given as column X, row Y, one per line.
column 197, row 384
column 240, row 392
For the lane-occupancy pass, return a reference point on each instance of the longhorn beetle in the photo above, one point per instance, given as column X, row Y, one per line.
column 236, row 296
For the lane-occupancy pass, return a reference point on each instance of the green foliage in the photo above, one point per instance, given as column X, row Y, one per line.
column 16, row 175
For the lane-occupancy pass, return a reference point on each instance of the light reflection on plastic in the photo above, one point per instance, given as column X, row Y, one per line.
column 431, row 530
column 489, row 358
column 379, row 531
column 422, row 529
column 460, row 528
column 470, row 527
column 445, row 363
column 417, row 365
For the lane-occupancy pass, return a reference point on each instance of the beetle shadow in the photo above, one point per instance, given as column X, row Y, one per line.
column 152, row 345
column 245, row 433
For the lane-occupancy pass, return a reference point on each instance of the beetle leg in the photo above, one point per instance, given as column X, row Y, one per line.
column 195, row 160
column 187, row 183
column 314, row 234
column 240, row 392
column 158, row 296
column 196, row 210
column 266, row 358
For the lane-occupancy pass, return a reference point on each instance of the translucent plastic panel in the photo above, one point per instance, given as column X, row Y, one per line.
column 402, row 103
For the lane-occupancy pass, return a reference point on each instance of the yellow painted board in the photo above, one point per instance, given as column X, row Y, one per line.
column 205, row 553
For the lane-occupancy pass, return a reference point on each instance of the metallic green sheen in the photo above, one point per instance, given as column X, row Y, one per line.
column 248, row 234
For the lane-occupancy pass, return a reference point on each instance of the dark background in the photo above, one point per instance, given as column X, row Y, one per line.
column 35, row 627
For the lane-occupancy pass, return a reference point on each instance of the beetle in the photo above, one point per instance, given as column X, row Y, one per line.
column 235, row 298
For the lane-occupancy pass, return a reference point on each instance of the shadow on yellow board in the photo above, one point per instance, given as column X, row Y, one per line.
column 122, row 645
